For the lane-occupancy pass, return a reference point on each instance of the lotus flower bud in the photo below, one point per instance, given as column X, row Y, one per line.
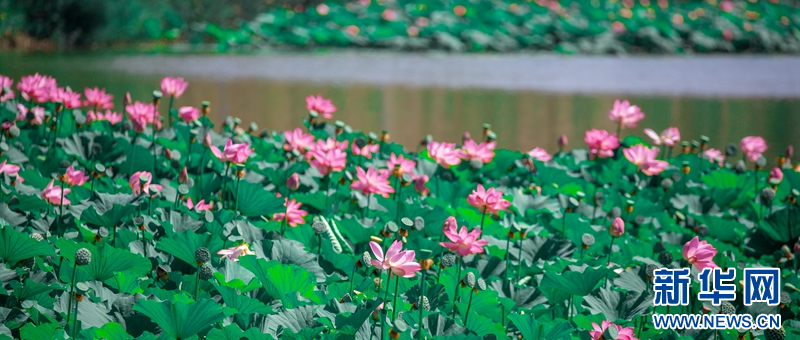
column 465, row 137
column 617, row 228
column 206, row 271
column 448, row 260
column 562, row 141
column 727, row 308
column 183, row 176
column 767, row 195
column 293, row 182
column 202, row 255
column 587, row 240
column 664, row 258
column 83, row 257
column 450, row 223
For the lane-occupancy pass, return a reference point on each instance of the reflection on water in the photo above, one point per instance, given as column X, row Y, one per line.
column 522, row 119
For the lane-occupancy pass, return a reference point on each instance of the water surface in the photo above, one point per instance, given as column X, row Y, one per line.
column 411, row 96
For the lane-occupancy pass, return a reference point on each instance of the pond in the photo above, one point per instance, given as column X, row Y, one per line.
column 529, row 101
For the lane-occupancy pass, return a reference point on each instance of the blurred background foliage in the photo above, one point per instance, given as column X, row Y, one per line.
column 567, row 26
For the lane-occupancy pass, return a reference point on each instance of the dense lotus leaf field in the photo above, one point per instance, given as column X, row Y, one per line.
column 155, row 224
column 577, row 26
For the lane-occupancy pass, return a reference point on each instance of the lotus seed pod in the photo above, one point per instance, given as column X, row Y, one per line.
column 229, row 121
column 790, row 286
column 63, row 164
column 366, row 258
column 426, row 304
column 102, row 232
column 639, row 219
column 319, row 227
column 611, row 333
column 475, row 164
column 664, row 258
column 253, row 126
column 81, row 288
column 600, row 201
column 190, row 182
column 701, row 230
column 587, row 240
column 157, row 95
column 83, row 257
column 419, row 223
column 206, row 271
column 360, row 141
column 690, row 222
column 731, row 150
column 469, row 280
column 785, row 298
column 616, row 212
column 183, row 189
column 761, row 161
column 407, row 223
column 391, row 227
column 775, row 334
column 650, row 270
column 37, row 237
column 202, row 255
column 659, row 247
column 767, row 195
column 676, row 176
column 740, row 167
column 400, row 325
column 127, row 126
column 339, row 124
column 13, row 131
column 491, row 136
column 448, row 260
column 208, row 216
column 138, row 220
column 481, row 284
column 727, row 308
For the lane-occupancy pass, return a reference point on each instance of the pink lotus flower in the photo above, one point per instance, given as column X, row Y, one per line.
column 140, row 114
column 726, row 5
column 321, row 106
column 623, row 333
column 668, row 137
column 699, row 253
column 36, row 87
column 329, row 144
column 483, row 151
column 372, row 182
column 645, row 159
column 328, row 161
column 135, row 183
column 462, row 242
column 601, row 143
column 294, row 215
column 38, row 114
column 419, row 185
column 401, row 263
column 562, row 141
column 713, row 155
column 200, row 206
column 753, row 147
column 10, row 170
column 540, row 154
column 626, row 114
column 75, row 177
column 297, row 140
column 402, row 164
column 233, row 153
column 53, row 195
column 366, row 151
column 445, row 154
column 450, row 223
column 188, row 113
column 70, row 99
column 98, row 99
column 617, row 228
column 6, row 82
column 173, row 86
column 776, row 174
column 233, row 253
column 488, row 201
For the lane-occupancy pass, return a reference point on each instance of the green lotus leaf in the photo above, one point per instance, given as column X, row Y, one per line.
column 279, row 279
column 107, row 261
column 530, row 328
column 255, row 201
column 15, row 246
column 183, row 245
column 616, row 305
column 181, row 319
column 575, row 282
